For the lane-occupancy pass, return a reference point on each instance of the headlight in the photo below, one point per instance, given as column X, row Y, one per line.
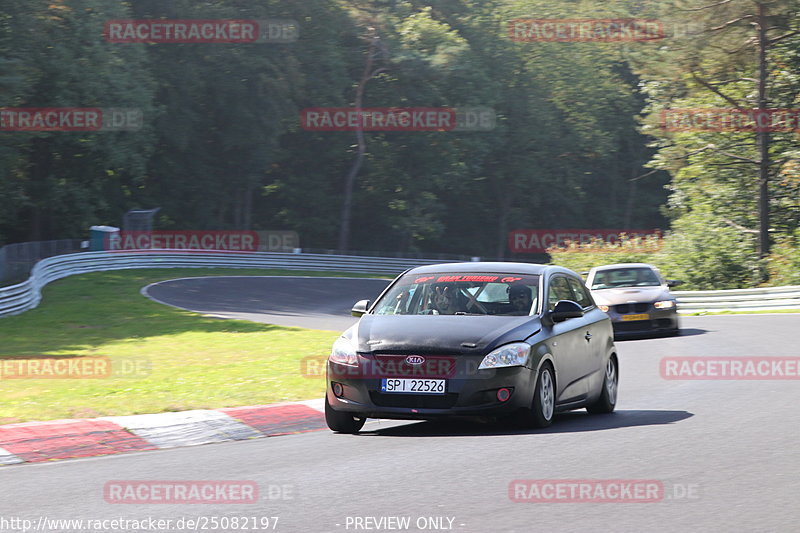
column 603, row 308
column 666, row 304
column 515, row 354
column 343, row 353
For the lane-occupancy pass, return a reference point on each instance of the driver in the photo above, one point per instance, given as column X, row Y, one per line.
column 521, row 299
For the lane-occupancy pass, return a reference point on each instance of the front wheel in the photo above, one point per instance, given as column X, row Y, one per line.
column 540, row 415
column 342, row 422
column 608, row 397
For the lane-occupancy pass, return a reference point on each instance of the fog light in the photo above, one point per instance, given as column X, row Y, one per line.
column 503, row 394
column 338, row 390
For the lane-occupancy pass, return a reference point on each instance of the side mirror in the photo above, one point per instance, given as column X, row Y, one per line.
column 360, row 308
column 673, row 282
column 566, row 309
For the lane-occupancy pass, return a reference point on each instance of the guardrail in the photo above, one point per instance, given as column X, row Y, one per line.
column 27, row 295
column 17, row 259
column 761, row 299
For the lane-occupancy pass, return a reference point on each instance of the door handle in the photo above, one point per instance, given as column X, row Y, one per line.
column 588, row 336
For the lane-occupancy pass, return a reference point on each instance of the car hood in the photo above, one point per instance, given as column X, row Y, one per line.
column 625, row 295
column 439, row 334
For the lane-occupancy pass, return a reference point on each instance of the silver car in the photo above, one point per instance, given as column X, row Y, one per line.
column 636, row 297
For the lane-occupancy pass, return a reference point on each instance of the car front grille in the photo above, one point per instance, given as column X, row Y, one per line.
column 396, row 365
column 414, row 401
column 639, row 325
column 643, row 325
column 624, row 309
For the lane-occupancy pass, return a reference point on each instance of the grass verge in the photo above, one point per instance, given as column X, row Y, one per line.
column 165, row 359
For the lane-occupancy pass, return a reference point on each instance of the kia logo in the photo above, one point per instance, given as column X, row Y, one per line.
column 415, row 359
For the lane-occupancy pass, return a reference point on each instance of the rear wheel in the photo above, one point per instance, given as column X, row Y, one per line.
column 342, row 421
column 540, row 415
column 608, row 397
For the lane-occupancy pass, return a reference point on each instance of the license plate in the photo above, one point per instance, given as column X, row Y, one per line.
column 413, row 386
column 629, row 318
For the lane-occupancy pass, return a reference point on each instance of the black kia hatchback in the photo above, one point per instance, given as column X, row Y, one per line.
column 512, row 340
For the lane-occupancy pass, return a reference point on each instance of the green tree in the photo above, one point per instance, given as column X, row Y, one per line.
column 66, row 181
column 737, row 61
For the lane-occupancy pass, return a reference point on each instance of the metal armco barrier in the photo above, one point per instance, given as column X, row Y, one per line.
column 27, row 295
column 761, row 299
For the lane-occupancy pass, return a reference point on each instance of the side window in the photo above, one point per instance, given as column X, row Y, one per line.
column 581, row 295
column 559, row 290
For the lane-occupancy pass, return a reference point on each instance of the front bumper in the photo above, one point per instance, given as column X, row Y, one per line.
column 658, row 321
column 469, row 392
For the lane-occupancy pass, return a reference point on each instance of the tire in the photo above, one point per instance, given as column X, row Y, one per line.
column 540, row 415
column 342, row 421
column 608, row 396
column 677, row 330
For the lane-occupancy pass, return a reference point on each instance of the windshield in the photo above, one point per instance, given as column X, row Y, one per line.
column 461, row 294
column 625, row 277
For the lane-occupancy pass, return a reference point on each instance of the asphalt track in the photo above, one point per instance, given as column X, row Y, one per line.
column 308, row 302
column 725, row 452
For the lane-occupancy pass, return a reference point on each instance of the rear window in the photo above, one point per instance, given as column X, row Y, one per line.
column 461, row 294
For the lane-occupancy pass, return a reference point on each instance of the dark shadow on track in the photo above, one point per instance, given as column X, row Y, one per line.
column 573, row 422
column 685, row 332
column 691, row 332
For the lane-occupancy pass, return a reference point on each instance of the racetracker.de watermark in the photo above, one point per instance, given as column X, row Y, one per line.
column 730, row 368
column 162, row 31
column 585, row 30
column 181, row 492
column 246, row 522
column 539, row 240
column 721, row 119
column 70, row 119
column 387, row 366
column 398, row 119
column 599, row 491
column 75, row 368
column 237, row 241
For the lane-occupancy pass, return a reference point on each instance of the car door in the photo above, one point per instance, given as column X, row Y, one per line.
column 597, row 332
column 568, row 346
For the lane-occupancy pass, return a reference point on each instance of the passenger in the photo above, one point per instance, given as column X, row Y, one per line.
column 446, row 299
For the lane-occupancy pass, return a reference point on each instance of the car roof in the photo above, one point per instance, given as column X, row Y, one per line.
column 624, row 265
column 502, row 267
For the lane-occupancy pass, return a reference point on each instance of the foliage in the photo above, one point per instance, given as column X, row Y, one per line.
column 629, row 249
column 223, row 148
column 702, row 251
column 577, row 141
column 783, row 263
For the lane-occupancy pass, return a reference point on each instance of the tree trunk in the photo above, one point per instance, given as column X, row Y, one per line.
column 361, row 148
column 502, row 226
column 248, row 207
column 763, row 138
column 349, row 185
column 626, row 223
